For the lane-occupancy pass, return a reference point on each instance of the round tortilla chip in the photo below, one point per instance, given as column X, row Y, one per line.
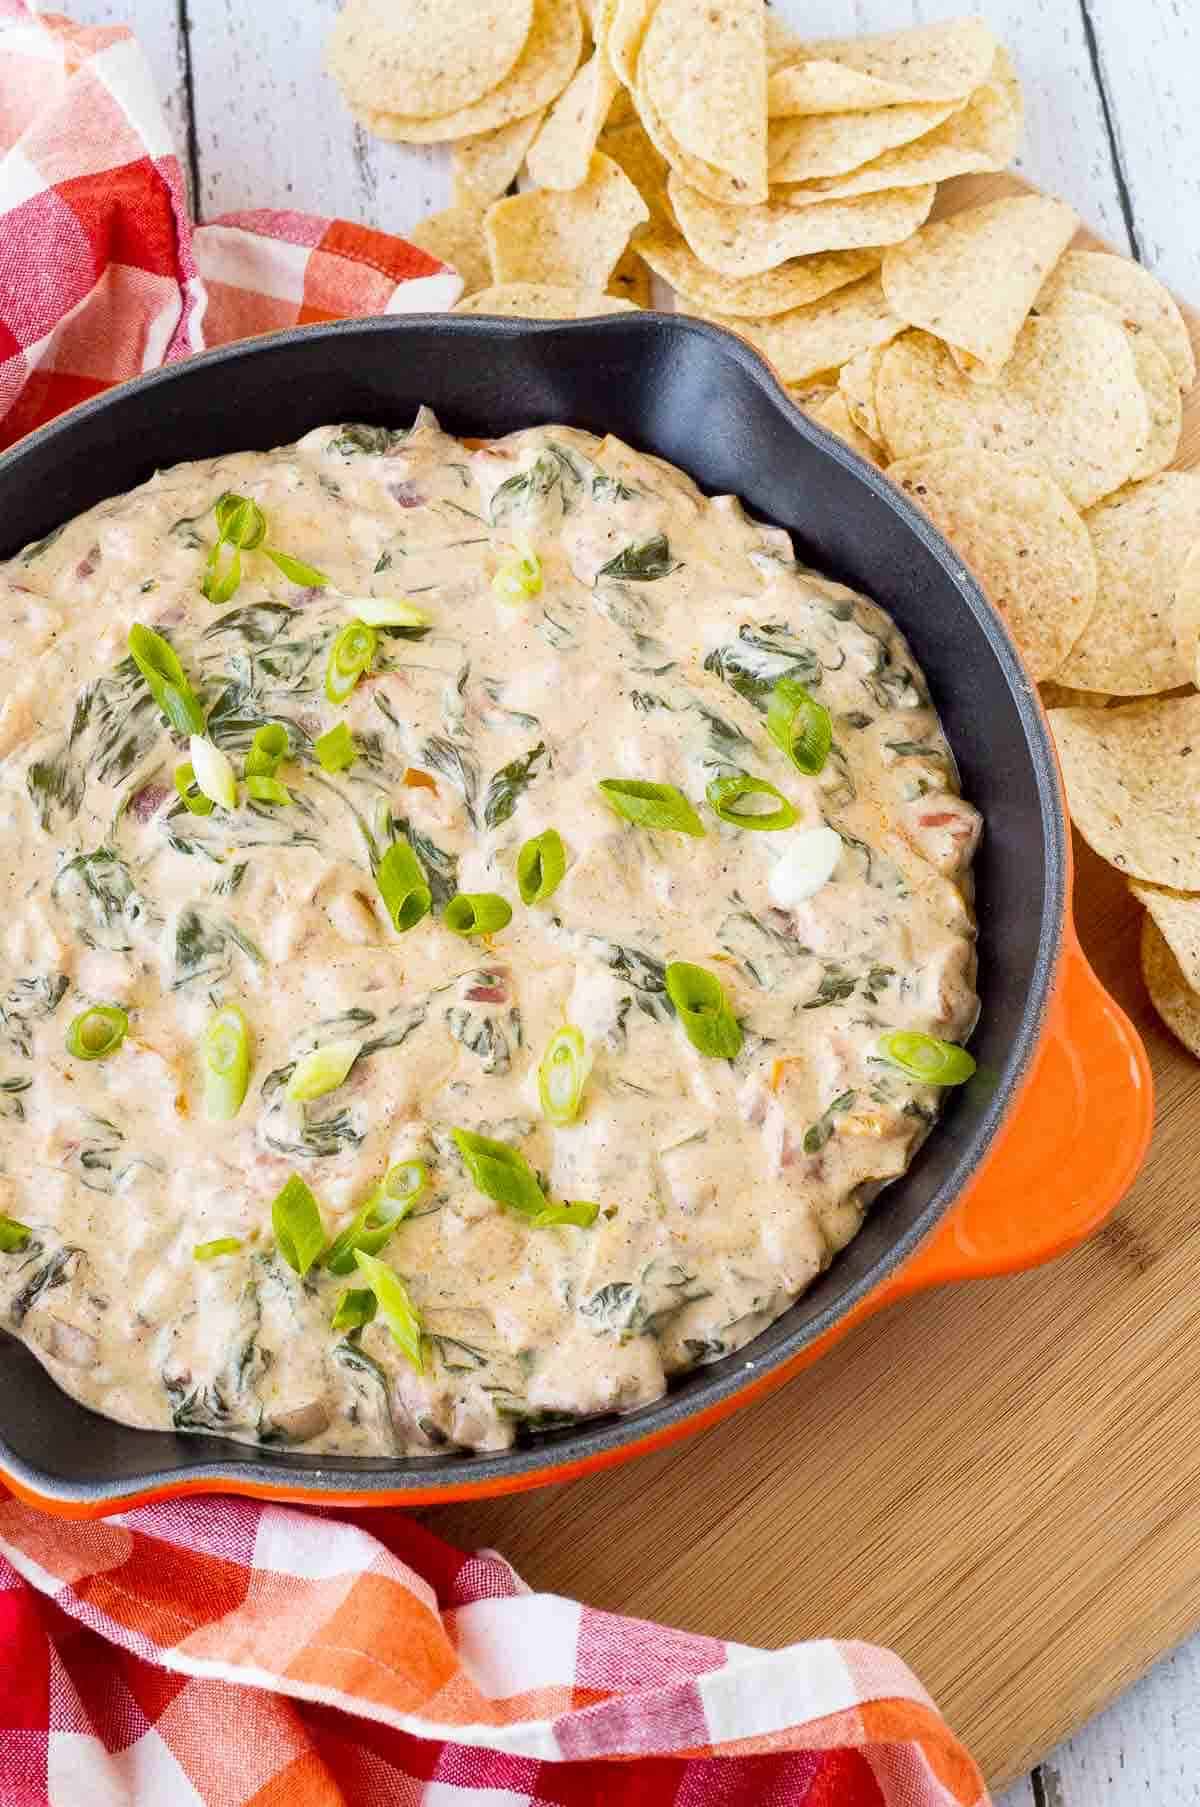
column 539, row 75
column 570, row 239
column 983, row 136
column 1177, row 917
column 1142, row 537
column 1133, row 784
column 563, row 150
column 484, row 166
column 833, row 144
column 542, row 301
column 856, row 380
column 1016, row 529
column 884, row 69
column 745, row 241
column 1145, row 305
column 1171, row 995
column 1164, row 400
column 703, row 66
column 777, row 291
column 830, row 411
column 456, row 237
column 1058, row 696
column 1186, row 611
column 822, row 336
column 1069, row 396
column 972, row 279
column 422, row 57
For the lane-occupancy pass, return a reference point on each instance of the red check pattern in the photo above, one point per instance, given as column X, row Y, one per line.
column 227, row 1653
column 234, row 1654
column 102, row 274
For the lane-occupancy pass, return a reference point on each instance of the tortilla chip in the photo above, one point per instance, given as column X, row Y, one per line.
column 832, row 144
column 542, row 301
column 631, row 279
column 538, row 76
column 703, row 65
column 645, row 166
column 565, row 144
column 745, row 241
column 456, row 236
column 485, row 165
column 423, row 58
column 972, row 279
column 830, row 411
column 856, row 380
column 1069, row 395
column 777, row 291
column 572, row 239
column 1177, row 917
column 1017, row 531
column 1142, row 538
column 886, row 69
column 821, row 336
column 1164, row 401
column 984, row 135
column 1186, row 610
column 1173, row 998
column 1145, row 305
column 1058, row 696
column 1133, row 784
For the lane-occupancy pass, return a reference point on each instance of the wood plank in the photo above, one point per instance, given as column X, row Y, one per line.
column 271, row 129
column 1001, row 1482
column 1150, row 63
column 1066, row 148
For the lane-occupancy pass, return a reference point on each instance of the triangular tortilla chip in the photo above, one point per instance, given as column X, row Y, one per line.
column 823, row 335
column 563, row 148
column 572, row 239
column 484, row 165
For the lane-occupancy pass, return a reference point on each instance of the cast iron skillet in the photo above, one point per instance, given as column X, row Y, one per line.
column 700, row 398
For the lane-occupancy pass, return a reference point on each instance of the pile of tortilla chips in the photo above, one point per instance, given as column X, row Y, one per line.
column 1026, row 395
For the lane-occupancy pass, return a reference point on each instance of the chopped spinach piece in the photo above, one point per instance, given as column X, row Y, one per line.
column 455, row 764
column 358, row 440
column 62, row 1267
column 11, row 1105
column 30, row 1001
column 508, row 784
column 642, row 562
column 97, row 893
column 835, row 987
column 818, row 1133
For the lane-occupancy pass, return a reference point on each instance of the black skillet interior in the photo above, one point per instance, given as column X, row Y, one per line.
column 698, row 397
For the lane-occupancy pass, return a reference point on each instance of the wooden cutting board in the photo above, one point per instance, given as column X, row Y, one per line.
column 1001, row 1481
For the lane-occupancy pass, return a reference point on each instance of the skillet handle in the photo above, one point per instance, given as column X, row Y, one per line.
column 1067, row 1155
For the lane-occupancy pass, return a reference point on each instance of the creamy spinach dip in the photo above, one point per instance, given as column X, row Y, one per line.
column 481, row 925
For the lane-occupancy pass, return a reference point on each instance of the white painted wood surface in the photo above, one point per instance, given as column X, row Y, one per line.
column 1113, row 126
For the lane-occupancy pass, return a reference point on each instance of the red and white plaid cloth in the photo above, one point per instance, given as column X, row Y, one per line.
column 230, row 1654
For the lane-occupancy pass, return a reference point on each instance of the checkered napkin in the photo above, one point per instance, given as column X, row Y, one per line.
column 225, row 1653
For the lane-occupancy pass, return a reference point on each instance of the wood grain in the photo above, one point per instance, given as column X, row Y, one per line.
column 1001, row 1481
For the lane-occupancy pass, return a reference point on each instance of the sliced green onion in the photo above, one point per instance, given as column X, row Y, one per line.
column 221, row 586
column 336, row 749
column 296, row 571
column 355, row 1307
column 214, row 772
column 349, row 656
column 395, row 1307
column 220, row 1245
column 156, row 659
column 386, row 611
column 725, row 794
column 267, row 790
column 389, row 1204
column 562, row 1075
column 541, row 866
column 190, row 793
column 500, row 1172
column 403, row 887
column 268, row 750
column 800, row 725
column 477, row 913
column 651, row 805
column 519, row 577
column 704, row 1010
column 927, row 1058
column 324, row 1070
column 97, row 1032
column 13, row 1235
column 226, row 1051
column 296, row 1220
column 240, row 521
column 581, row 1212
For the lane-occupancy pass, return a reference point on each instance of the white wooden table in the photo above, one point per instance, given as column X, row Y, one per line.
column 1113, row 126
